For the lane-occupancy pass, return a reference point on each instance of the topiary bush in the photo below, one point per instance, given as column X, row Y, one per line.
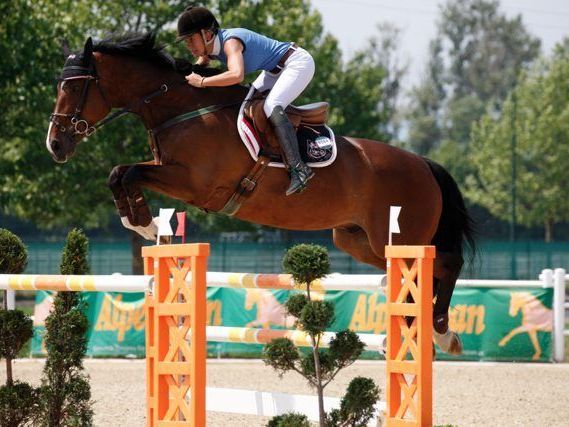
column 16, row 329
column 18, row 404
column 13, row 253
column 289, row 420
column 307, row 263
column 65, row 392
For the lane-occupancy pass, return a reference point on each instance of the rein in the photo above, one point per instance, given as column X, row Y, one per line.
column 191, row 115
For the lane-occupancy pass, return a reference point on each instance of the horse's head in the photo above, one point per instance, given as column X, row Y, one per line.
column 252, row 297
column 80, row 104
column 517, row 301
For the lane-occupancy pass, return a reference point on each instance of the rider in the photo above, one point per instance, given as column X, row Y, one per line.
column 286, row 71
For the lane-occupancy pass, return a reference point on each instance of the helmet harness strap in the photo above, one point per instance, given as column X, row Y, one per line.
column 207, row 43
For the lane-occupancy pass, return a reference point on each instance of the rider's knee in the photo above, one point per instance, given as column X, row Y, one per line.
column 271, row 106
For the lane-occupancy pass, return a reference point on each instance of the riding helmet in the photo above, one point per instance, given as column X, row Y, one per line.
column 194, row 19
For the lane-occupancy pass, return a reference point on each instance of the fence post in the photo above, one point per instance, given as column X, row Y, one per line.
column 409, row 381
column 171, row 317
column 559, row 315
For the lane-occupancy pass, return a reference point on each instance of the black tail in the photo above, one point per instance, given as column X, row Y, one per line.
column 456, row 226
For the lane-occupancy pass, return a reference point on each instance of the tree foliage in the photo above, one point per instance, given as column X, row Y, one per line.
column 537, row 116
column 307, row 263
column 13, row 253
column 474, row 62
column 65, row 392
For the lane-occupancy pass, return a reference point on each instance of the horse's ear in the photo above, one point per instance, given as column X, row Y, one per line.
column 65, row 47
column 88, row 51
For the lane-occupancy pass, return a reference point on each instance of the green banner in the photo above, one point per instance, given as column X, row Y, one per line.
column 116, row 323
column 494, row 323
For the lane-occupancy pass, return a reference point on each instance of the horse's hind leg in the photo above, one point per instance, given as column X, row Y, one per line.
column 447, row 268
column 354, row 241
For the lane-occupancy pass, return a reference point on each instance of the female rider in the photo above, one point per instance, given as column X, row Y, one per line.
column 286, row 70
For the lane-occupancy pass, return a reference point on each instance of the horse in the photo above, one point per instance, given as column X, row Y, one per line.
column 270, row 312
column 535, row 317
column 199, row 158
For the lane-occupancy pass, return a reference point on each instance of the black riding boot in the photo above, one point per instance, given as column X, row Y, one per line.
column 300, row 173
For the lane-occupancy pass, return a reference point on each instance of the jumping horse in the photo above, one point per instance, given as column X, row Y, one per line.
column 199, row 158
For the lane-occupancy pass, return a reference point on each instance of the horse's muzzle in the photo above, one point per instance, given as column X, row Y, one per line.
column 59, row 150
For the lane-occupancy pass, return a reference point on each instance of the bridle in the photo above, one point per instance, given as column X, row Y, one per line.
column 81, row 126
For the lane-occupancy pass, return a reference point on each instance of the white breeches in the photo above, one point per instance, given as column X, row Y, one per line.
column 287, row 85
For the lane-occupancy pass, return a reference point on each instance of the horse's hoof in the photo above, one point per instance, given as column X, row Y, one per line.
column 449, row 342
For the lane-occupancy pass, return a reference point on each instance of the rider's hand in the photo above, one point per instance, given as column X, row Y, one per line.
column 203, row 60
column 195, row 80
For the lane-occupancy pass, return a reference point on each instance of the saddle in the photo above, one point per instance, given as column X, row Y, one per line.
column 314, row 114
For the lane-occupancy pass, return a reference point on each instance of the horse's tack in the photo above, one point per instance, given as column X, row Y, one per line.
column 246, row 187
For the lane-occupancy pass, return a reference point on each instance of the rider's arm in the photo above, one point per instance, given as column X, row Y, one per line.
column 235, row 73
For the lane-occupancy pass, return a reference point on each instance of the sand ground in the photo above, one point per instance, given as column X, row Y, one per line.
column 465, row 394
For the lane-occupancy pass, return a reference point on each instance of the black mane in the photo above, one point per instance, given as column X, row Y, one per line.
column 143, row 46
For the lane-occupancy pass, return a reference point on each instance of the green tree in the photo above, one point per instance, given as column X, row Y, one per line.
column 307, row 263
column 65, row 391
column 426, row 102
column 474, row 63
column 538, row 112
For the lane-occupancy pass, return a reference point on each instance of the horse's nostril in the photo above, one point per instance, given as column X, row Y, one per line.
column 55, row 145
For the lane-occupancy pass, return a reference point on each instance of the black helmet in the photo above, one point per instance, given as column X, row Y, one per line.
column 194, row 19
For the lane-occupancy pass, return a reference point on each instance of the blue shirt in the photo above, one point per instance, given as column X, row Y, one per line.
column 259, row 52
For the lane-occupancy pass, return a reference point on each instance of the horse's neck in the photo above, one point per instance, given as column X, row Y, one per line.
column 129, row 81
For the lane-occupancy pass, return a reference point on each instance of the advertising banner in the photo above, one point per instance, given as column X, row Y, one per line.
column 494, row 323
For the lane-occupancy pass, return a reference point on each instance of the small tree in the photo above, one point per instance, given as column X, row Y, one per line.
column 14, row 327
column 307, row 263
column 18, row 401
column 65, row 392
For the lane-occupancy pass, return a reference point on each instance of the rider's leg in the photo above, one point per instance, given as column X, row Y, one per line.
column 292, row 80
column 300, row 172
column 265, row 81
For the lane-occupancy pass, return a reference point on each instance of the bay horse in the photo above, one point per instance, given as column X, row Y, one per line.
column 200, row 159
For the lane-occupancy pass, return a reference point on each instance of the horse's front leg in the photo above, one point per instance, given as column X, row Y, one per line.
column 115, row 184
column 164, row 179
column 136, row 219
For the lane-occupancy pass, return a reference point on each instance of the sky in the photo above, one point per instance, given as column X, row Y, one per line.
column 352, row 22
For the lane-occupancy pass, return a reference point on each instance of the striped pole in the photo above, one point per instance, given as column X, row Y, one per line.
column 129, row 283
column 299, row 338
column 332, row 282
column 55, row 282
